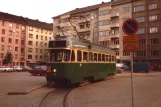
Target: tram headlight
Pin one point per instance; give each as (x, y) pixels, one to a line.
(54, 70)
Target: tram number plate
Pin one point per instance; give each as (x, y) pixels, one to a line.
(48, 68)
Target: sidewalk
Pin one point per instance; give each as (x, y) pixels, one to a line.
(128, 74)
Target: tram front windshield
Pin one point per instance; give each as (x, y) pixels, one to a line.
(59, 55)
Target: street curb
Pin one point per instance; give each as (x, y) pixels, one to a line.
(24, 93)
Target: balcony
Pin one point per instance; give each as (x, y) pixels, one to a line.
(114, 25)
(115, 36)
(113, 15)
(113, 47)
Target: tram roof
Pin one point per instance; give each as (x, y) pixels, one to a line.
(81, 43)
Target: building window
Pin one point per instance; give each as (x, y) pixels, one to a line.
(17, 26)
(3, 23)
(46, 38)
(41, 43)
(30, 28)
(116, 11)
(153, 18)
(139, 54)
(124, 19)
(37, 37)
(9, 48)
(2, 47)
(36, 57)
(104, 12)
(30, 35)
(126, 53)
(16, 41)
(16, 48)
(36, 43)
(139, 8)
(141, 31)
(22, 42)
(41, 57)
(126, 9)
(30, 43)
(116, 42)
(154, 30)
(37, 50)
(10, 25)
(10, 40)
(104, 43)
(154, 41)
(114, 21)
(117, 53)
(154, 53)
(45, 44)
(140, 19)
(2, 55)
(49, 38)
(37, 30)
(41, 37)
(23, 28)
(2, 39)
(115, 31)
(40, 50)
(29, 56)
(3, 31)
(152, 6)
(104, 22)
(22, 50)
(30, 50)
(142, 42)
(104, 33)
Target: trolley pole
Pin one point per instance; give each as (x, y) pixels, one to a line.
(132, 90)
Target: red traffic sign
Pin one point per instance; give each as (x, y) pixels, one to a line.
(130, 26)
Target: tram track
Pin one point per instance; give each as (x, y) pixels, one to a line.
(56, 97)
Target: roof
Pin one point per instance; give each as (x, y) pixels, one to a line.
(93, 7)
(12, 18)
(37, 23)
(25, 21)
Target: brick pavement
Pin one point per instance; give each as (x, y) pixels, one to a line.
(117, 93)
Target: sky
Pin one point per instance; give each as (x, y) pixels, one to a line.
(43, 10)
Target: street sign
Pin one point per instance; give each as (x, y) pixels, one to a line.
(130, 26)
(131, 43)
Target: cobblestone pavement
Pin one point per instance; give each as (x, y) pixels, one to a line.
(117, 93)
(110, 93)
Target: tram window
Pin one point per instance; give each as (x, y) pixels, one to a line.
(66, 55)
(99, 57)
(79, 56)
(107, 58)
(57, 56)
(110, 58)
(90, 56)
(73, 56)
(85, 56)
(95, 57)
(103, 57)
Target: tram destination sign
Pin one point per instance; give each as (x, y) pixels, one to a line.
(54, 44)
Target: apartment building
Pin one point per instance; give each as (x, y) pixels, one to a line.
(100, 23)
(25, 38)
(37, 37)
(12, 29)
(148, 13)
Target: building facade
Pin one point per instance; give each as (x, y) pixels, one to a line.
(18, 36)
(148, 13)
(101, 23)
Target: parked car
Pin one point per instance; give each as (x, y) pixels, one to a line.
(26, 68)
(119, 70)
(41, 70)
(5, 69)
(17, 68)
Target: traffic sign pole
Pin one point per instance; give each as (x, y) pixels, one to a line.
(132, 89)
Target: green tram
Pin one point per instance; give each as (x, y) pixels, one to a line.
(75, 61)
